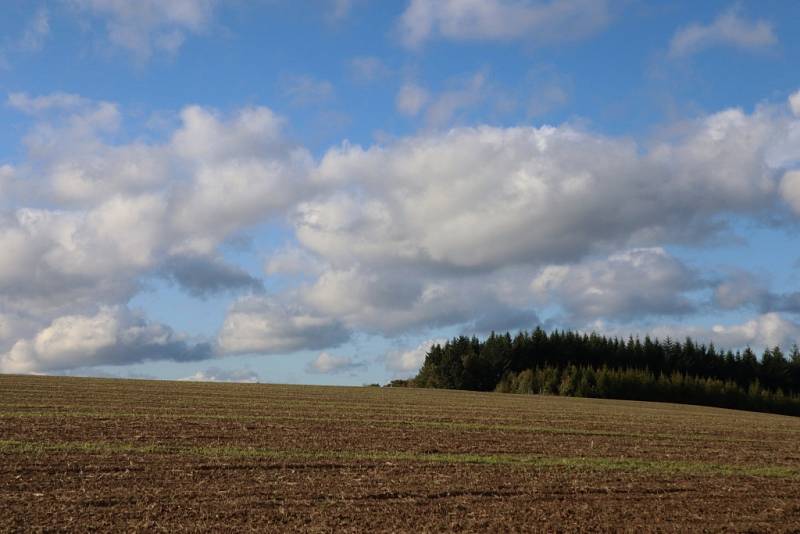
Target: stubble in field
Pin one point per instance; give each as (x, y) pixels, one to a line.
(111, 454)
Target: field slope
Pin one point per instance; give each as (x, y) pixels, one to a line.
(84, 454)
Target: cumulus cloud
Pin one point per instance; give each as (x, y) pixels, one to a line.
(728, 29)
(118, 213)
(217, 374)
(112, 336)
(57, 262)
(765, 330)
(70, 155)
(236, 170)
(794, 103)
(624, 286)
(742, 289)
(738, 290)
(264, 326)
(407, 362)
(481, 198)
(440, 228)
(243, 173)
(790, 189)
(327, 363)
(502, 20)
(149, 26)
(449, 228)
(201, 276)
(390, 300)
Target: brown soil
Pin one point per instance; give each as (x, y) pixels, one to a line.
(89, 454)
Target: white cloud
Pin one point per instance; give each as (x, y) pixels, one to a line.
(482, 198)
(411, 99)
(327, 363)
(205, 136)
(262, 325)
(71, 156)
(502, 20)
(790, 189)
(120, 213)
(728, 29)
(217, 374)
(441, 228)
(794, 103)
(235, 169)
(742, 289)
(391, 300)
(449, 228)
(57, 262)
(243, 172)
(738, 290)
(111, 336)
(147, 26)
(407, 362)
(766, 330)
(624, 286)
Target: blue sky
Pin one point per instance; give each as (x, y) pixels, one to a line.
(315, 191)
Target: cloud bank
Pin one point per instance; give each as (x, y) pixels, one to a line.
(474, 228)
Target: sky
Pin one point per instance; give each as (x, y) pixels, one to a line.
(315, 191)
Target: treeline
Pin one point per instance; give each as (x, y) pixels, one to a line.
(572, 363)
(636, 384)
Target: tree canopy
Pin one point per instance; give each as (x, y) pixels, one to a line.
(495, 362)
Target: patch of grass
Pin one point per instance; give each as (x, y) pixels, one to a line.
(664, 467)
(384, 423)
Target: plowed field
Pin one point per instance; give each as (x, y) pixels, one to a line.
(91, 454)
